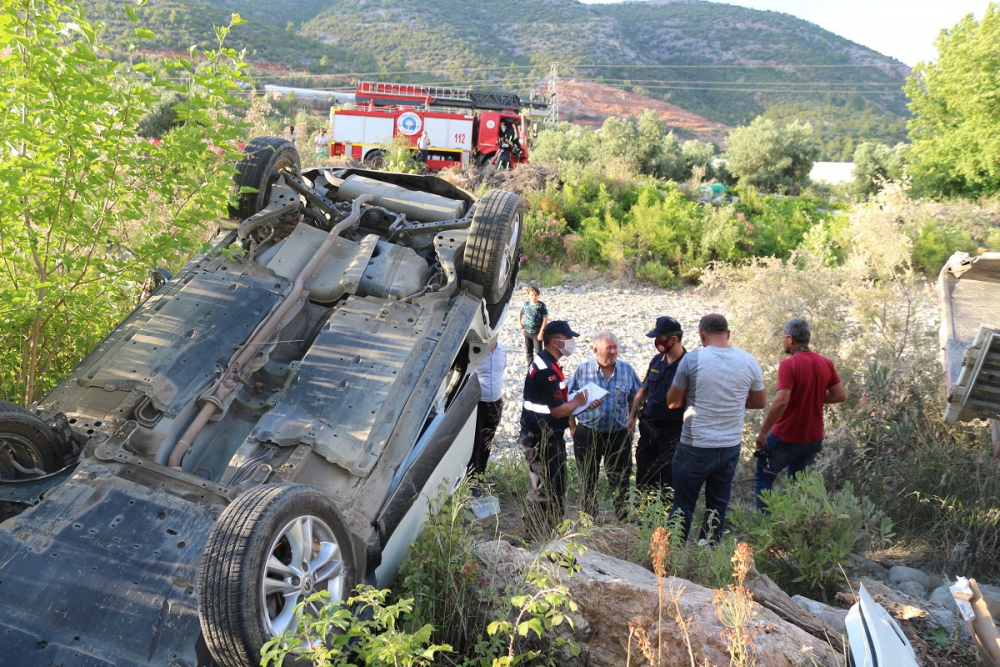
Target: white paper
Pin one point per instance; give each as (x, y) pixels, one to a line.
(594, 392)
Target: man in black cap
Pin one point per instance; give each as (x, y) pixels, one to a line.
(544, 419)
(660, 426)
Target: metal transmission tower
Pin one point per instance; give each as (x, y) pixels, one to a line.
(553, 96)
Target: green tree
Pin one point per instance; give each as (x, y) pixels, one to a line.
(875, 163)
(772, 157)
(956, 146)
(161, 118)
(87, 208)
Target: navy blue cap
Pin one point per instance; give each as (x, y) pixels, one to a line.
(665, 326)
(559, 327)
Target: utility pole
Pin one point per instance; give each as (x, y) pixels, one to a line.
(553, 96)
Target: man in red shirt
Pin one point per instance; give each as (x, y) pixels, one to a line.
(792, 433)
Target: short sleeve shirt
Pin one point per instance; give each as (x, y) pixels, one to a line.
(807, 376)
(659, 377)
(718, 380)
(544, 389)
(534, 313)
(612, 414)
(490, 372)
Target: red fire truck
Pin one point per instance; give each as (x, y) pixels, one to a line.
(463, 125)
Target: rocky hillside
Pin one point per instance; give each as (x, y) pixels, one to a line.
(723, 62)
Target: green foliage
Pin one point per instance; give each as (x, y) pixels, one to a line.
(541, 240)
(161, 118)
(640, 146)
(336, 634)
(934, 243)
(771, 157)
(876, 163)
(90, 208)
(810, 532)
(442, 574)
(953, 132)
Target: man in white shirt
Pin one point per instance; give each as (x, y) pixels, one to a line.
(490, 372)
(717, 383)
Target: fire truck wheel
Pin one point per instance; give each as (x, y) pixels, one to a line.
(375, 160)
(493, 252)
(263, 159)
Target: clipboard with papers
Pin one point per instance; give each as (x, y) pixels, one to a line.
(594, 392)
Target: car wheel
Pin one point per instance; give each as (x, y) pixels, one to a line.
(263, 159)
(272, 548)
(493, 251)
(374, 160)
(28, 447)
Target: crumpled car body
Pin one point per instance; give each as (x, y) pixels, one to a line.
(270, 422)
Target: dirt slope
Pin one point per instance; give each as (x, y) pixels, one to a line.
(590, 103)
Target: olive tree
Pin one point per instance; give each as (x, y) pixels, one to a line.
(772, 157)
(87, 207)
(874, 164)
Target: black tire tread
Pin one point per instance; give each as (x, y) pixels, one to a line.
(481, 260)
(223, 579)
(15, 419)
(254, 170)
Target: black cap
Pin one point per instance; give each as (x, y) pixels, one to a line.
(665, 326)
(559, 327)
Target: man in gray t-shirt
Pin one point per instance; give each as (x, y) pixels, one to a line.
(716, 384)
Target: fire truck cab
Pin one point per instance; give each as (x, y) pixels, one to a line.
(463, 126)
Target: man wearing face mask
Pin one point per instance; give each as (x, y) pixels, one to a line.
(544, 418)
(659, 426)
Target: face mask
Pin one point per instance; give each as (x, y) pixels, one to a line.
(568, 347)
(663, 348)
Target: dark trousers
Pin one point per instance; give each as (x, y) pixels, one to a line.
(654, 455)
(545, 451)
(615, 448)
(778, 455)
(487, 420)
(532, 346)
(713, 467)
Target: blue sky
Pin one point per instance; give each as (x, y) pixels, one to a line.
(903, 29)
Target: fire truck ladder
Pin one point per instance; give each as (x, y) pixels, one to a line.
(391, 94)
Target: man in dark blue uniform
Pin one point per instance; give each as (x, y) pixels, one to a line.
(659, 426)
(544, 419)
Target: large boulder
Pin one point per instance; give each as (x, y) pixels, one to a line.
(611, 593)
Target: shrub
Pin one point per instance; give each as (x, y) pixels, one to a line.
(772, 157)
(336, 634)
(810, 533)
(542, 239)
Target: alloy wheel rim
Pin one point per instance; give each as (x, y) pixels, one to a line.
(304, 558)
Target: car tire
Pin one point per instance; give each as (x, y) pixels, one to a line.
(263, 159)
(493, 251)
(33, 443)
(374, 160)
(264, 525)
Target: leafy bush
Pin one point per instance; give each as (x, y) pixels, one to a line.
(542, 238)
(336, 634)
(810, 533)
(89, 207)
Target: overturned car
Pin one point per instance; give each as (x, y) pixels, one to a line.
(268, 423)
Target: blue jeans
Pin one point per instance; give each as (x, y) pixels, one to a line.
(779, 455)
(713, 467)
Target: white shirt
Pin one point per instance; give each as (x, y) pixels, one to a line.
(490, 371)
(321, 140)
(424, 142)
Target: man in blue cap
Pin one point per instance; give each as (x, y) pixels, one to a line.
(544, 419)
(660, 426)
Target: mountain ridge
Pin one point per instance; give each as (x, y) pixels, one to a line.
(724, 62)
